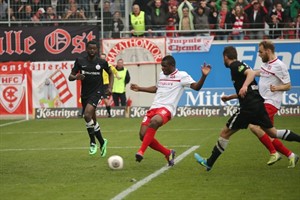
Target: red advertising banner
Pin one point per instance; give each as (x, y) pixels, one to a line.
(135, 50)
(46, 43)
(15, 84)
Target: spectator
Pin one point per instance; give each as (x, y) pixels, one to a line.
(213, 16)
(293, 9)
(138, 21)
(224, 23)
(50, 16)
(203, 4)
(186, 18)
(291, 33)
(119, 87)
(256, 15)
(3, 8)
(61, 8)
(201, 21)
(74, 14)
(228, 3)
(85, 6)
(117, 25)
(12, 18)
(274, 25)
(242, 3)
(18, 8)
(276, 21)
(171, 27)
(27, 15)
(173, 13)
(239, 22)
(107, 19)
(158, 16)
(37, 4)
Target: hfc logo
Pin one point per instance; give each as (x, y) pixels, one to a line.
(12, 91)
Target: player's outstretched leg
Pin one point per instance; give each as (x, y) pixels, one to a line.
(202, 161)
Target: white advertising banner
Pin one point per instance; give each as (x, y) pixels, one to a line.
(51, 86)
(189, 44)
(135, 50)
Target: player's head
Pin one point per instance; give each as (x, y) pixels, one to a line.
(266, 50)
(168, 65)
(229, 55)
(92, 48)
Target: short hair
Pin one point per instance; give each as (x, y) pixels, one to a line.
(267, 44)
(92, 42)
(230, 52)
(169, 60)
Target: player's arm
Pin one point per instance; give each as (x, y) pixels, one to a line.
(250, 75)
(257, 72)
(205, 71)
(136, 88)
(75, 75)
(225, 98)
(283, 87)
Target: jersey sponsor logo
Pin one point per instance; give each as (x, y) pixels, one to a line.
(240, 68)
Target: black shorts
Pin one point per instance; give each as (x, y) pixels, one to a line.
(243, 117)
(93, 100)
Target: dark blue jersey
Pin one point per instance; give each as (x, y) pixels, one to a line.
(92, 70)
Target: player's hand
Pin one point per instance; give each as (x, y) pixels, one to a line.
(80, 76)
(134, 87)
(205, 68)
(243, 92)
(273, 88)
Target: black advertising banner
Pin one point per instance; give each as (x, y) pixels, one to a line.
(55, 43)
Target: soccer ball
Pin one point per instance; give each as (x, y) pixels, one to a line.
(115, 162)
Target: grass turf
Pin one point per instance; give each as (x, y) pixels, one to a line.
(48, 159)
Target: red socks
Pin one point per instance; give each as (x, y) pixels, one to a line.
(158, 147)
(268, 143)
(149, 140)
(281, 148)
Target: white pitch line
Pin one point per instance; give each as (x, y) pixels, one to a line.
(14, 122)
(142, 182)
(80, 148)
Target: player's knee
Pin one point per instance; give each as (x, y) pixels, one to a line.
(141, 136)
(155, 123)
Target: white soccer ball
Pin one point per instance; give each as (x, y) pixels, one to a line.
(115, 162)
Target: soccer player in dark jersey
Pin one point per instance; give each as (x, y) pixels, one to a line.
(250, 111)
(89, 70)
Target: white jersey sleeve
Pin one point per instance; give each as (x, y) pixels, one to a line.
(273, 73)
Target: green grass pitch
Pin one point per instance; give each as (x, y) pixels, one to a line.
(48, 160)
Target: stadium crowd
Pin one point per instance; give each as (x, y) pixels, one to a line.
(225, 19)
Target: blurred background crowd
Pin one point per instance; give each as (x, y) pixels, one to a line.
(225, 19)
